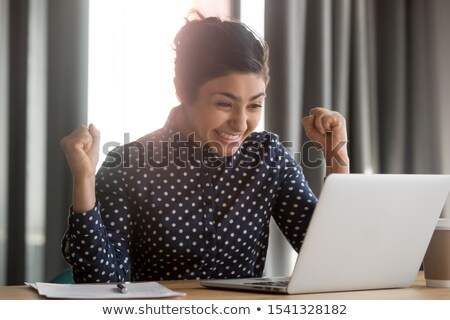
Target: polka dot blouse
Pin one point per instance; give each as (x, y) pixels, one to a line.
(170, 209)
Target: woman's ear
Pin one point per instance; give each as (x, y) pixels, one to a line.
(179, 89)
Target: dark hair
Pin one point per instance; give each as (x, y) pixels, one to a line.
(208, 48)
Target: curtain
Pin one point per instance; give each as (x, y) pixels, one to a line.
(381, 63)
(68, 24)
(4, 10)
(43, 96)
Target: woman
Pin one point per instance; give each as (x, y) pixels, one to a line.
(194, 199)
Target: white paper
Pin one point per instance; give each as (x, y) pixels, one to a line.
(104, 291)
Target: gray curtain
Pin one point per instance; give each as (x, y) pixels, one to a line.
(4, 9)
(67, 109)
(381, 63)
(43, 86)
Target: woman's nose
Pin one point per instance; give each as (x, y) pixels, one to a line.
(238, 121)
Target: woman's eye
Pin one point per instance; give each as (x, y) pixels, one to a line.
(255, 106)
(224, 104)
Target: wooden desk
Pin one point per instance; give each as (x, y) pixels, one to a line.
(194, 291)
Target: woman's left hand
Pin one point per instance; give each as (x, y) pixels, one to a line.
(327, 129)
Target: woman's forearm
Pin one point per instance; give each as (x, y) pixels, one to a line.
(83, 194)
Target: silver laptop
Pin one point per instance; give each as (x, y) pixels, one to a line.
(367, 232)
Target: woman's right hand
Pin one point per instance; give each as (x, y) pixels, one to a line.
(82, 152)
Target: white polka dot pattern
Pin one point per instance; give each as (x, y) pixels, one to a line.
(171, 210)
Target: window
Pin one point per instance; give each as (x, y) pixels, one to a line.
(131, 66)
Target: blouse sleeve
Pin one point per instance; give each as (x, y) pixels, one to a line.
(295, 202)
(96, 242)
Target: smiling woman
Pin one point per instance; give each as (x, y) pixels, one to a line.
(205, 212)
(221, 92)
(226, 111)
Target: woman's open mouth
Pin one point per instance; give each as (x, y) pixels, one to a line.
(227, 137)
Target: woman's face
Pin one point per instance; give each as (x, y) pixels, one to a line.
(227, 110)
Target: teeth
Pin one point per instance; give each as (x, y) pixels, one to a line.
(228, 136)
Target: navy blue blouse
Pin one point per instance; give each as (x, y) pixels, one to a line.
(169, 209)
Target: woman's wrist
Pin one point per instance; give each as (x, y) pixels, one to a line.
(337, 163)
(83, 196)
